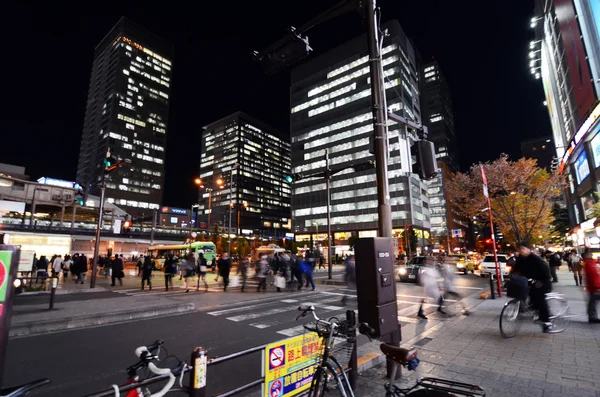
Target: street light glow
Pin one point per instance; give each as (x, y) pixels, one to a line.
(198, 181)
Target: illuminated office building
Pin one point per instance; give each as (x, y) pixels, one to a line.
(256, 190)
(126, 115)
(331, 109)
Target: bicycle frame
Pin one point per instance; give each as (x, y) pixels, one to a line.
(336, 371)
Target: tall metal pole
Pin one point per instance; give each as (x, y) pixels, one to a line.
(230, 206)
(328, 187)
(384, 209)
(98, 229)
(153, 227)
(209, 226)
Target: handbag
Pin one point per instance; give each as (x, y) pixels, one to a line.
(203, 269)
(234, 282)
(279, 282)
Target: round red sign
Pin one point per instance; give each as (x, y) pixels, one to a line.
(3, 275)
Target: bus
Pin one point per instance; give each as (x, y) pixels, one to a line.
(160, 252)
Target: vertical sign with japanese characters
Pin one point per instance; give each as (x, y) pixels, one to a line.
(290, 364)
(9, 261)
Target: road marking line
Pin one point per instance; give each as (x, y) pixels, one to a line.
(477, 288)
(421, 297)
(271, 323)
(288, 300)
(338, 294)
(250, 316)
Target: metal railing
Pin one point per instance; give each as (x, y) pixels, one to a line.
(351, 369)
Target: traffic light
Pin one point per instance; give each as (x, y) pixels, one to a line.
(488, 240)
(293, 178)
(126, 224)
(79, 197)
(497, 233)
(424, 160)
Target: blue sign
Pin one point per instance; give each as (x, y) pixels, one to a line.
(582, 167)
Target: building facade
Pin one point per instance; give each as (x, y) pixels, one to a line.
(449, 231)
(126, 116)
(331, 110)
(243, 167)
(566, 57)
(540, 149)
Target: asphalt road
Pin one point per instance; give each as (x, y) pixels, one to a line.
(84, 361)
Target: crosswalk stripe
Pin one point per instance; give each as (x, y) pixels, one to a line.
(289, 300)
(420, 297)
(239, 309)
(251, 316)
(268, 324)
(338, 294)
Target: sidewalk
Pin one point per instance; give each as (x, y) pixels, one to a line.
(470, 349)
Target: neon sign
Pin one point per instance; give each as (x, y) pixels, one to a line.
(583, 130)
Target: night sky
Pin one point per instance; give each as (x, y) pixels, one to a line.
(482, 48)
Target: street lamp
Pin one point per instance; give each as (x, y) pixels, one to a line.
(236, 166)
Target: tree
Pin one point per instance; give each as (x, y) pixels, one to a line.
(243, 248)
(521, 194)
(215, 233)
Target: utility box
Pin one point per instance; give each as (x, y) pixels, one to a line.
(376, 285)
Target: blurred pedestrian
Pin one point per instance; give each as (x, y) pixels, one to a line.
(224, 265)
(350, 276)
(592, 286)
(146, 269)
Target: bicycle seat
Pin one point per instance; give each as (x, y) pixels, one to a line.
(398, 354)
(23, 389)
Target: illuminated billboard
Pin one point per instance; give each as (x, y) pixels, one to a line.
(578, 69)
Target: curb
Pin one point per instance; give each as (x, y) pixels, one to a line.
(330, 282)
(72, 323)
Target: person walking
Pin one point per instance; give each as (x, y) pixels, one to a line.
(554, 260)
(140, 265)
(187, 270)
(350, 276)
(428, 278)
(577, 267)
(262, 271)
(202, 269)
(224, 265)
(592, 286)
(243, 269)
(117, 270)
(146, 269)
(170, 269)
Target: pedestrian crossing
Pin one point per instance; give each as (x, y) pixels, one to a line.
(280, 316)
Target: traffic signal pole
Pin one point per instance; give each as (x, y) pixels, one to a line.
(98, 230)
(384, 209)
(328, 190)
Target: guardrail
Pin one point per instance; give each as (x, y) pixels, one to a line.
(198, 389)
(53, 286)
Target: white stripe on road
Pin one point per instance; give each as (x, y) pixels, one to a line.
(458, 286)
(268, 324)
(289, 300)
(250, 316)
(239, 309)
(338, 294)
(420, 297)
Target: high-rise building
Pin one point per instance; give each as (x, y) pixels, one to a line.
(540, 149)
(126, 116)
(446, 225)
(565, 56)
(244, 164)
(331, 110)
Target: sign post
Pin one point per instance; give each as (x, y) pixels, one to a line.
(489, 208)
(9, 263)
(289, 365)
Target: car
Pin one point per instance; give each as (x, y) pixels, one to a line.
(410, 272)
(462, 262)
(488, 265)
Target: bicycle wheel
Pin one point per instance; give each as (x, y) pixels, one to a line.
(319, 383)
(509, 319)
(559, 314)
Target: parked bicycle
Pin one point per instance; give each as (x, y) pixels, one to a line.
(516, 309)
(338, 339)
(137, 387)
(425, 387)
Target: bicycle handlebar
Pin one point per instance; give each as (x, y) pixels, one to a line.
(143, 352)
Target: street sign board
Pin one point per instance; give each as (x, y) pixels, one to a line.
(9, 262)
(289, 365)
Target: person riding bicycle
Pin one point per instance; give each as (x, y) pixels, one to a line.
(533, 267)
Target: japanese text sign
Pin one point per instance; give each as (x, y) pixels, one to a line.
(288, 365)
